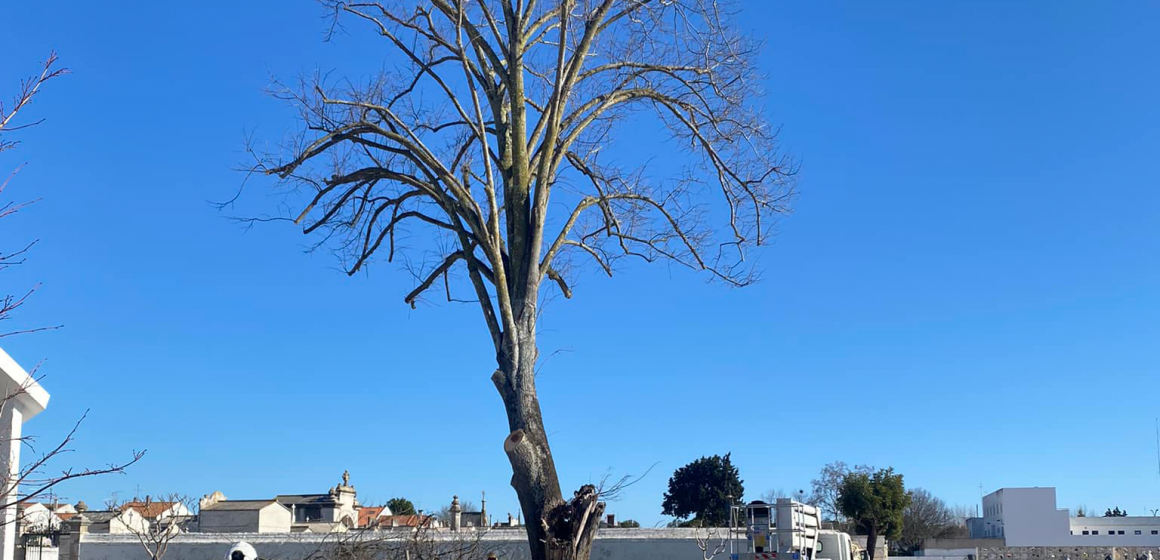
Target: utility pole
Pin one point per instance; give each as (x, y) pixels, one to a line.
(1158, 446)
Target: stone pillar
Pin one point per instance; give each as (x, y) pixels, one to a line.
(455, 511)
(23, 398)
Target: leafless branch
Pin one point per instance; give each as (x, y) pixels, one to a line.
(27, 91)
(510, 144)
(156, 521)
(711, 542)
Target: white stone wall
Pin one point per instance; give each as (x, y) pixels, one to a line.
(1066, 553)
(508, 544)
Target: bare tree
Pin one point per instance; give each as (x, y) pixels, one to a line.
(27, 91)
(165, 518)
(926, 517)
(417, 543)
(825, 488)
(962, 514)
(711, 542)
(38, 477)
(491, 151)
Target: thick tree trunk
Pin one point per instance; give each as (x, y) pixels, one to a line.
(871, 541)
(557, 530)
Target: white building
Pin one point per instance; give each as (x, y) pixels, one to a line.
(1119, 527)
(245, 516)
(157, 510)
(1029, 517)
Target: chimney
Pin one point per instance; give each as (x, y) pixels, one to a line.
(147, 499)
(612, 520)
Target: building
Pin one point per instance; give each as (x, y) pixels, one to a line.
(468, 519)
(1118, 527)
(111, 521)
(339, 505)
(368, 516)
(40, 517)
(157, 510)
(244, 516)
(1029, 517)
(337, 510)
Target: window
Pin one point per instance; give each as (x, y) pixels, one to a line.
(1139, 532)
(1085, 532)
(307, 514)
(1095, 532)
(1154, 531)
(1120, 533)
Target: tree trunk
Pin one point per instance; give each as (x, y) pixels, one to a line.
(871, 541)
(557, 530)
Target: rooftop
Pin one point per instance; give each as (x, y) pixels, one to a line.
(149, 509)
(238, 505)
(287, 499)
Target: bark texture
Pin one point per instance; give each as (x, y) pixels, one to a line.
(871, 541)
(454, 160)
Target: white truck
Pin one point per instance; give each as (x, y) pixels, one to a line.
(786, 530)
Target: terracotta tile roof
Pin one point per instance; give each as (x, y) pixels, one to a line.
(149, 510)
(65, 516)
(368, 514)
(404, 520)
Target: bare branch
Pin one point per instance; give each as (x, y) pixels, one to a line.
(28, 90)
(502, 112)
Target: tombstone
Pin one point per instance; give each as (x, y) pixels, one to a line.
(23, 399)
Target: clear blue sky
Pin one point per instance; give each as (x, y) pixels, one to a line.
(969, 289)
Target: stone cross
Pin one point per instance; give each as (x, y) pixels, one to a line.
(23, 398)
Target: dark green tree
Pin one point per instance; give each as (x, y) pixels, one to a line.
(629, 524)
(874, 503)
(703, 490)
(401, 506)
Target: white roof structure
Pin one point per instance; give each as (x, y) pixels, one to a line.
(30, 397)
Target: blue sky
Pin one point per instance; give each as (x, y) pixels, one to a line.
(967, 290)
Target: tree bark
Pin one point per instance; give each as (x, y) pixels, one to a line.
(557, 530)
(871, 541)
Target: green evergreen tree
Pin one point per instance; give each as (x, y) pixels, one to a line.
(874, 502)
(401, 506)
(703, 490)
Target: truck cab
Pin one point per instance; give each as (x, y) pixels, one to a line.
(836, 545)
